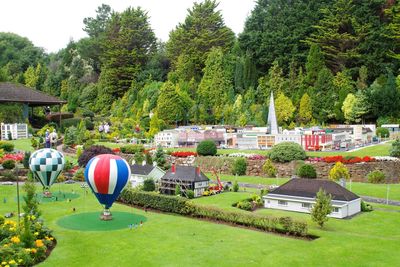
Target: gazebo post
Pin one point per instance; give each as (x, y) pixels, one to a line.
(59, 112)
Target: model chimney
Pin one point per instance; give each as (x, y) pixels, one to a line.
(173, 168)
(198, 170)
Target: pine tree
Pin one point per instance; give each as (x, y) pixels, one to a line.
(348, 108)
(315, 62)
(343, 85)
(393, 28)
(284, 109)
(322, 96)
(322, 208)
(170, 106)
(160, 158)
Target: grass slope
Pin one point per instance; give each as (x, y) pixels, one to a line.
(369, 239)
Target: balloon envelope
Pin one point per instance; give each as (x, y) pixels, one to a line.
(107, 175)
(46, 164)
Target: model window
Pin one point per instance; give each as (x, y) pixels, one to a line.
(335, 209)
(306, 205)
(282, 202)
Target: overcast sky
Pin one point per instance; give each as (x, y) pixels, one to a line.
(51, 24)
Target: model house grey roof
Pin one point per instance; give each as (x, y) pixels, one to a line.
(14, 93)
(310, 187)
(185, 173)
(140, 169)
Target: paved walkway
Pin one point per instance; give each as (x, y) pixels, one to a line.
(380, 201)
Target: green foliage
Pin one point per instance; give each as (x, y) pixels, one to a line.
(239, 167)
(8, 164)
(132, 149)
(339, 171)
(160, 158)
(376, 177)
(178, 190)
(305, 110)
(235, 186)
(190, 194)
(206, 148)
(31, 205)
(170, 105)
(244, 205)
(149, 185)
(395, 149)
(6, 146)
(183, 206)
(366, 207)
(286, 152)
(307, 171)
(191, 41)
(322, 208)
(25, 161)
(269, 169)
(11, 113)
(70, 136)
(315, 63)
(382, 132)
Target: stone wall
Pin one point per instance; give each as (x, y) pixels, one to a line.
(358, 171)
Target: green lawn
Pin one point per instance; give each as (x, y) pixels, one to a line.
(22, 144)
(172, 240)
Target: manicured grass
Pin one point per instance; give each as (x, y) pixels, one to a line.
(109, 144)
(256, 180)
(22, 144)
(369, 239)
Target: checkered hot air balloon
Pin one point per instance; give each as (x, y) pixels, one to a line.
(107, 175)
(46, 164)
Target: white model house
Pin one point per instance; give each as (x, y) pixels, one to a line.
(140, 172)
(299, 195)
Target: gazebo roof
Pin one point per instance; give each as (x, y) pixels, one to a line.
(18, 93)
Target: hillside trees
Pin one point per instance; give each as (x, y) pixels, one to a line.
(192, 40)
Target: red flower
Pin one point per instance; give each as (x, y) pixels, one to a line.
(183, 154)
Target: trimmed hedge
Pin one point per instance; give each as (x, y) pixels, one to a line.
(132, 149)
(307, 171)
(183, 206)
(286, 152)
(206, 148)
(6, 146)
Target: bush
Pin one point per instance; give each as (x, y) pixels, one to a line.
(70, 137)
(149, 185)
(206, 148)
(286, 152)
(394, 150)
(376, 177)
(25, 160)
(239, 167)
(382, 132)
(79, 176)
(365, 207)
(235, 186)
(6, 146)
(190, 194)
(269, 169)
(183, 206)
(338, 172)
(8, 164)
(245, 205)
(66, 123)
(91, 152)
(132, 149)
(307, 171)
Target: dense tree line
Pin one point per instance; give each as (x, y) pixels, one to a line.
(325, 61)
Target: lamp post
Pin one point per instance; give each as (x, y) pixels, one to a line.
(18, 203)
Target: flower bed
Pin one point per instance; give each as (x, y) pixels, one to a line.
(24, 247)
(183, 154)
(248, 156)
(346, 160)
(18, 157)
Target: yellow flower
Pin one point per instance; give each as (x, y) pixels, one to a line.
(36, 233)
(19, 260)
(27, 250)
(15, 239)
(12, 229)
(39, 243)
(3, 263)
(7, 265)
(33, 250)
(12, 262)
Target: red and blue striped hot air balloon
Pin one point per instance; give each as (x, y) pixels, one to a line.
(107, 175)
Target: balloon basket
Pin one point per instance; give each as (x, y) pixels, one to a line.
(106, 215)
(47, 194)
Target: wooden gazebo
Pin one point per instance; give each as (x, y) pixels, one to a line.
(18, 93)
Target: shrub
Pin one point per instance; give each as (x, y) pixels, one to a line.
(66, 123)
(206, 148)
(394, 150)
(91, 152)
(8, 164)
(235, 186)
(185, 207)
(322, 208)
(149, 185)
(245, 205)
(307, 171)
(239, 167)
(177, 190)
(382, 132)
(132, 149)
(79, 151)
(6, 146)
(70, 137)
(190, 194)
(376, 177)
(269, 169)
(25, 160)
(365, 207)
(286, 152)
(79, 176)
(338, 172)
